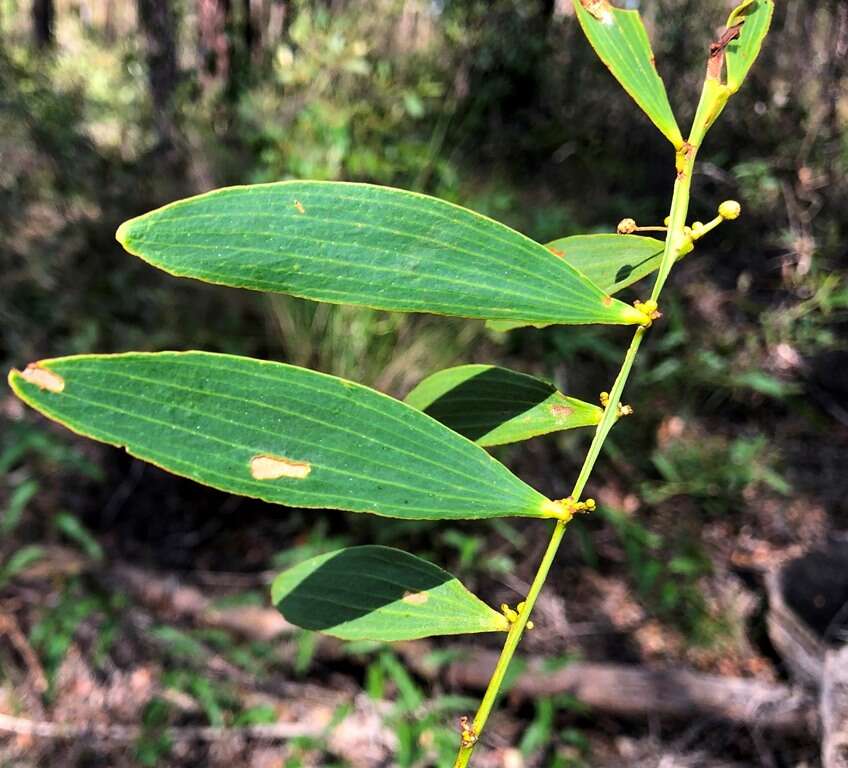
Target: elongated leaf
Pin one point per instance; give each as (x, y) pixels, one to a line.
(380, 593)
(621, 42)
(494, 406)
(362, 244)
(741, 53)
(612, 262)
(276, 432)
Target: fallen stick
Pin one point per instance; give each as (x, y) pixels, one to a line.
(834, 709)
(616, 689)
(169, 594)
(45, 729)
(636, 692)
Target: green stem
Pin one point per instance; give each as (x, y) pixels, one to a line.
(512, 639)
(676, 243)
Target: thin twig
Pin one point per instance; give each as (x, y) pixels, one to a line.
(44, 729)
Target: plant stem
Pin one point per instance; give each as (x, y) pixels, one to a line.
(675, 242)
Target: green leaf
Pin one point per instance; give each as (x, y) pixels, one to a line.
(20, 497)
(741, 53)
(621, 42)
(374, 246)
(493, 406)
(611, 261)
(79, 534)
(277, 432)
(19, 561)
(380, 593)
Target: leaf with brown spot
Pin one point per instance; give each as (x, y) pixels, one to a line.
(621, 42)
(493, 405)
(370, 246)
(753, 19)
(277, 432)
(380, 593)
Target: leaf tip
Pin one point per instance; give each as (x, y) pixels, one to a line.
(122, 234)
(267, 467)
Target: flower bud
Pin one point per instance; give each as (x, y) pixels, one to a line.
(730, 210)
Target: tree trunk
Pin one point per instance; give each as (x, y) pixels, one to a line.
(251, 18)
(213, 41)
(278, 18)
(158, 23)
(43, 14)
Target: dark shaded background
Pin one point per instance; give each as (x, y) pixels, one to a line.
(734, 461)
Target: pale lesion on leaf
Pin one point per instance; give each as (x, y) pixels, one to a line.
(267, 467)
(561, 412)
(43, 378)
(299, 206)
(599, 9)
(415, 598)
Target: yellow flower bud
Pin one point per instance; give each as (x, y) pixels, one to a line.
(730, 210)
(626, 227)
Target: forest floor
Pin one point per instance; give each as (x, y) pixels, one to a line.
(132, 639)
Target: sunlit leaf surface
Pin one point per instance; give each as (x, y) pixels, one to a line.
(380, 593)
(276, 432)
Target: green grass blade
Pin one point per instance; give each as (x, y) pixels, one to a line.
(621, 42)
(494, 406)
(380, 593)
(612, 262)
(373, 246)
(742, 52)
(276, 432)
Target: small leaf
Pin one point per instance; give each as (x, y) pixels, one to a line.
(71, 526)
(279, 433)
(741, 53)
(20, 497)
(380, 593)
(612, 262)
(373, 246)
(19, 561)
(494, 406)
(621, 42)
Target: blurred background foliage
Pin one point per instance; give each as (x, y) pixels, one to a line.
(736, 451)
